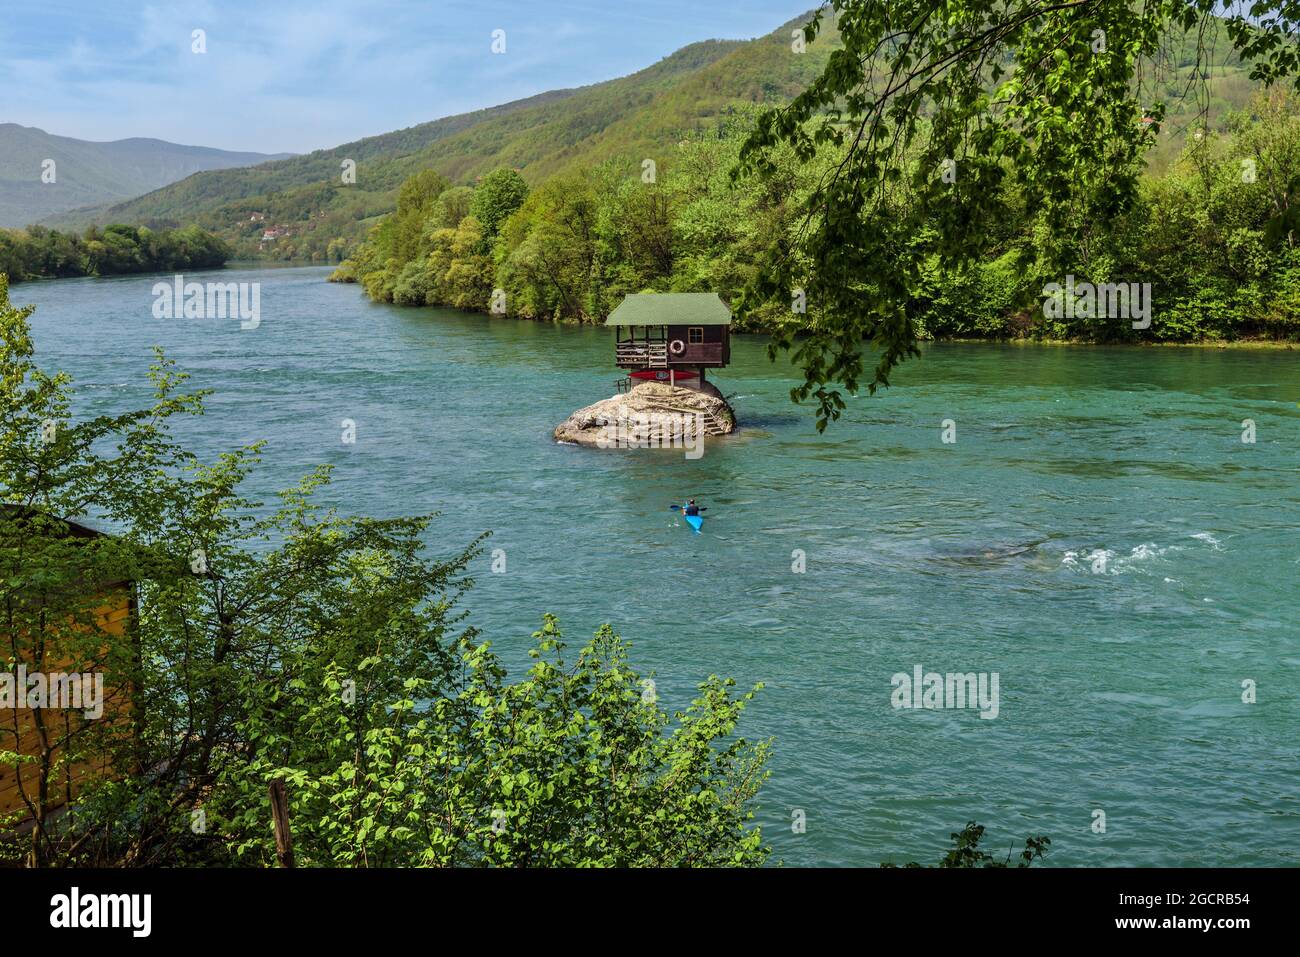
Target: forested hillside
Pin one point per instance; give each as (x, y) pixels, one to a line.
(301, 209)
(1216, 235)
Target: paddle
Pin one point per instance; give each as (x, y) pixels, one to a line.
(675, 508)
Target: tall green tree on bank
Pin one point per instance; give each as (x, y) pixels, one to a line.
(935, 114)
(500, 193)
(293, 644)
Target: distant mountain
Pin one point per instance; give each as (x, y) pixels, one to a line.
(87, 173)
(294, 188)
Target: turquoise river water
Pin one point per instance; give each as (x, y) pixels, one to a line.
(1098, 535)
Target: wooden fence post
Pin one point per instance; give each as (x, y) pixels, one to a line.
(280, 818)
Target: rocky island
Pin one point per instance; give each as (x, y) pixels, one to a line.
(650, 415)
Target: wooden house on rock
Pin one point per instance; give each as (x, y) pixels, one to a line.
(671, 337)
(666, 342)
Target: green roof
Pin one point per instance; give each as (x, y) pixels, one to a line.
(671, 309)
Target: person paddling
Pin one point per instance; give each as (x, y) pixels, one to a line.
(692, 508)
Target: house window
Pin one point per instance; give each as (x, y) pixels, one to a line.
(695, 335)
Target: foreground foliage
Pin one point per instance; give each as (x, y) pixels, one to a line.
(330, 653)
(966, 851)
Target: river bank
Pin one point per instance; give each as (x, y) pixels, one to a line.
(344, 274)
(1284, 344)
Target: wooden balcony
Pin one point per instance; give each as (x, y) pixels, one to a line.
(643, 355)
(655, 355)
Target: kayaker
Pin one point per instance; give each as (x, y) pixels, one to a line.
(692, 508)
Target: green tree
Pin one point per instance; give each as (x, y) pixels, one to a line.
(496, 198)
(574, 765)
(451, 207)
(406, 227)
(932, 112)
(551, 248)
(467, 282)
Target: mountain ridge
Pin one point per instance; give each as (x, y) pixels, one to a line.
(323, 166)
(87, 172)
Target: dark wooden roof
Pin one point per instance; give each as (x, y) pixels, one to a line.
(20, 513)
(32, 521)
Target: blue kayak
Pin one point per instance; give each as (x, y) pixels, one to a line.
(695, 521)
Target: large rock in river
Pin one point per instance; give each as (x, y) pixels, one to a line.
(650, 415)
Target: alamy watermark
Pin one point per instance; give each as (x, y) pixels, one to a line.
(1110, 300)
(653, 430)
(75, 909)
(931, 691)
(82, 692)
(214, 300)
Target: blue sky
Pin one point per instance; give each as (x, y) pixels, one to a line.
(298, 75)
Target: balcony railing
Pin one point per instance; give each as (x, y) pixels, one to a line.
(655, 355)
(651, 355)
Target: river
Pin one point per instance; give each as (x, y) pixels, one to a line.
(1098, 535)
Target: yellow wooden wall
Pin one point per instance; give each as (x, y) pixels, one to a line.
(112, 621)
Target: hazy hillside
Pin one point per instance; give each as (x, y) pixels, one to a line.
(300, 208)
(634, 118)
(323, 167)
(88, 173)
(305, 199)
